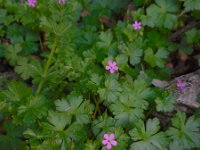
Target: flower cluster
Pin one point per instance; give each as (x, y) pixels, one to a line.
(112, 66)
(180, 85)
(109, 141)
(31, 3)
(61, 1)
(137, 25)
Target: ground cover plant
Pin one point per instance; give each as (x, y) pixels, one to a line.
(77, 74)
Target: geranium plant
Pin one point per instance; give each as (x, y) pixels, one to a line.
(76, 74)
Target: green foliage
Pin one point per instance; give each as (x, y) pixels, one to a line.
(156, 59)
(74, 105)
(184, 134)
(135, 54)
(10, 140)
(15, 92)
(191, 5)
(58, 121)
(148, 137)
(33, 109)
(12, 54)
(60, 95)
(193, 36)
(165, 102)
(103, 123)
(91, 145)
(162, 14)
(105, 40)
(111, 91)
(132, 102)
(29, 69)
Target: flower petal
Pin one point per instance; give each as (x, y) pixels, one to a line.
(137, 25)
(105, 142)
(115, 68)
(106, 136)
(114, 142)
(107, 67)
(110, 63)
(109, 146)
(113, 64)
(112, 71)
(112, 136)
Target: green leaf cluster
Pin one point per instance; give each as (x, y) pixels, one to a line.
(60, 95)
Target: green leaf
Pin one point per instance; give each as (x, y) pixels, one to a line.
(3, 14)
(31, 36)
(111, 91)
(11, 139)
(162, 14)
(102, 123)
(83, 114)
(29, 69)
(166, 102)
(191, 5)
(91, 145)
(23, 68)
(131, 103)
(30, 133)
(15, 33)
(35, 108)
(78, 133)
(122, 138)
(130, 33)
(122, 61)
(5, 18)
(29, 47)
(105, 40)
(74, 105)
(184, 133)
(58, 120)
(156, 40)
(12, 53)
(193, 36)
(148, 137)
(135, 56)
(75, 101)
(62, 105)
(157, 59)
(16, 92)
(94, 82)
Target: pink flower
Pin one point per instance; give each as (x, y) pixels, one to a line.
(109, 141)
(61, 1)
(180, 85)
(31, 3)
(112, 66)
(137, 25)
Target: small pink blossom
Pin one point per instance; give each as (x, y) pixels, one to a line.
(109, 141)
(31, 3)
(61, 1)
(137, 25)
(112, 66)
(180, 85)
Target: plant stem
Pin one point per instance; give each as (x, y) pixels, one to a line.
(46, 68)
(97, 105)
(97, 109)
